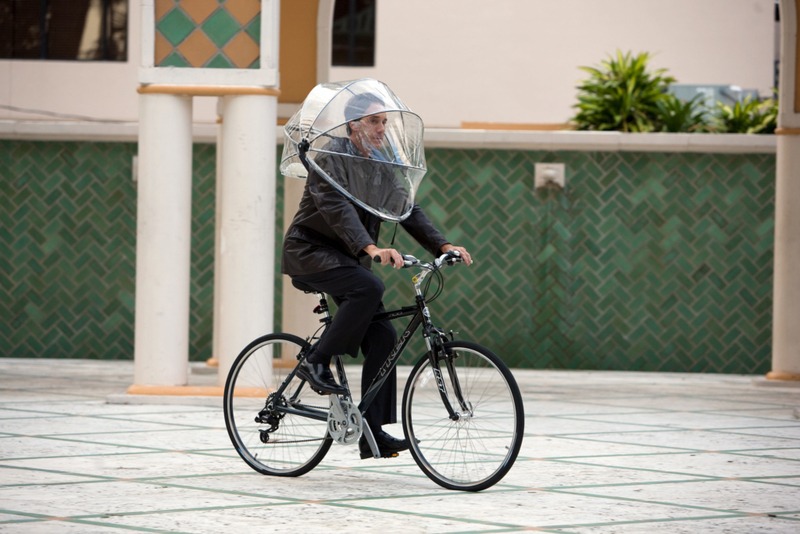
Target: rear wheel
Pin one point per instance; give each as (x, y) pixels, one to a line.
(475, 451)
(270, 440)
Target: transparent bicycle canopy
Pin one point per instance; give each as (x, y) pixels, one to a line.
(363, 140)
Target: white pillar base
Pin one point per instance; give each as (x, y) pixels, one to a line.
(247, 225)
(163, 240)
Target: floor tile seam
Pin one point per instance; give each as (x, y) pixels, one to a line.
(143, 431)
(48, 518)
(108, 454)
(771, 457)
(85, 376)
(141, 513)
(797, 439)
(636, 454)
(58, 472)
(589, 420)
(50, 389)
(611, 485)
(118, 479)
(555, 415)
(113, 432)
(644, 470)
(49, 416)
(282, 499)
(621, 443)
(760, 418)
(639, 431)
(427, 515)
(153, 449)
(729, 428)
(668, 453)
(556, 527)
(645, 521)
(764, 480)
(660, 503)
(128, 420)
(585, 401)
(114, 415)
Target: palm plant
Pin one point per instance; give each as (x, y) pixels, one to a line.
(621, 95)
(748, 116)
(676, 115)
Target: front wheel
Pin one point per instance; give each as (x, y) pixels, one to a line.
(476, 450)
(264, 411)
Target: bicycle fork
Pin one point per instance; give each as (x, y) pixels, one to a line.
(434, 340)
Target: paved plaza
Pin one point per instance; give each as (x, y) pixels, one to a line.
(603, 452)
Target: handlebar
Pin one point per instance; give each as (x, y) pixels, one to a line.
(450, 258)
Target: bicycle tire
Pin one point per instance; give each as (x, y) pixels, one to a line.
(476, 451)
(299, 443)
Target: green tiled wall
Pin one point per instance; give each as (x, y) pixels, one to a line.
(647, 261)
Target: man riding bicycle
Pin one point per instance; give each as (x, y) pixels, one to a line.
(358, 178)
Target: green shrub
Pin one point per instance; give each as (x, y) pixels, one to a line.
(621, 95)
(676, 115)
(748, 117)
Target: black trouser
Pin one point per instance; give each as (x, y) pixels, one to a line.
(358, 293)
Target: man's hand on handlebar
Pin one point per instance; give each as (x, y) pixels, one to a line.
(461, 250)
(388, 256)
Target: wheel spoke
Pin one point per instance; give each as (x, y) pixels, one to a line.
(475, 451)
(294, 443)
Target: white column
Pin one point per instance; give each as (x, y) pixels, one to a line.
(215, 349)
(247, 229)
(786, 318)
(163, 240)
(786, 292)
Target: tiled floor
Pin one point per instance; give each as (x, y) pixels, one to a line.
(604, 452)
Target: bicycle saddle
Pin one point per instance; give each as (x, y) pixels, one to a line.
(303, 287)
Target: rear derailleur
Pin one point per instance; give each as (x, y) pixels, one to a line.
(270, 416)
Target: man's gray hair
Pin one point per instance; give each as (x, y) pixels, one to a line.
(358, 106)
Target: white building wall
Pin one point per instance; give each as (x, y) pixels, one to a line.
(517, 60)
(467, 60)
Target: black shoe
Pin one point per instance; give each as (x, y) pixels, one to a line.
(388, 446)
(320, 378)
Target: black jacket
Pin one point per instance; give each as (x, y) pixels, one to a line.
(330, 231)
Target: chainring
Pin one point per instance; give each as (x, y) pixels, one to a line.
(345, 423)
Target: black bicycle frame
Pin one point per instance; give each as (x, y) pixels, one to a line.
(420, 317)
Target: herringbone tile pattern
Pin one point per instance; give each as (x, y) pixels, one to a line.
(68, 250)
(647, 261)
(67, 245)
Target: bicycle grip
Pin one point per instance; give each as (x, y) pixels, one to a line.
(377, 259)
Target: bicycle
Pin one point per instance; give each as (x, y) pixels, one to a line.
(462, 411)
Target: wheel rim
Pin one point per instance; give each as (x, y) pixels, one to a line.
(471, 451)
(255, 380)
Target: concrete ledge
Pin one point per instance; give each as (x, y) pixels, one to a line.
(101, 132)
(600, 141)
(434, 138)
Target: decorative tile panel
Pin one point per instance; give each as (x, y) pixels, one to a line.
(208, 33)
(646, 261)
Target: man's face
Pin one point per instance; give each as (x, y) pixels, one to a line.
(371, 129)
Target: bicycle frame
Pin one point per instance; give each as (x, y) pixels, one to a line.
(434, 337)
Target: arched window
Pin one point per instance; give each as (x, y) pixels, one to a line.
(354, 33)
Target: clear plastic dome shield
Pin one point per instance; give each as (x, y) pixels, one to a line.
(363, 140)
